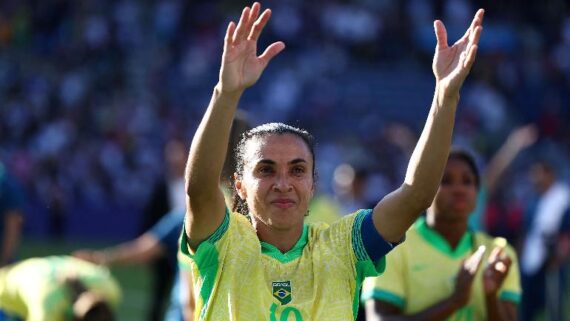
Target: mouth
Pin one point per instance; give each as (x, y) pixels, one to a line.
(283, 203)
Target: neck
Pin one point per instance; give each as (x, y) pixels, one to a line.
(283, 239)
(451, 230)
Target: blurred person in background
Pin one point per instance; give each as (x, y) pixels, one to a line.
(57, 288)
(167, 197)
(159, 241)
(517, 141)
(418, 282)
(11, 216)
(542, 277)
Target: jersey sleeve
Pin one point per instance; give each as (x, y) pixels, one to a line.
(348, 242)
(167, 231)
(390, 286)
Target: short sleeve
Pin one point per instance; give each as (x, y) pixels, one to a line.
(390, 286)
(167, 230)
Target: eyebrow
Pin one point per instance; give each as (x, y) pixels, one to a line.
(271, 162)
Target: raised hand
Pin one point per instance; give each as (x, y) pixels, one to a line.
(451, 64)
(523, 136)
(465, 276)
(241, 67)
(498, 266)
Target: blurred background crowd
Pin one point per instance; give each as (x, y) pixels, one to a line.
(92, 91)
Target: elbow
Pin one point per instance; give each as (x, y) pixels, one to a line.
(420, 198)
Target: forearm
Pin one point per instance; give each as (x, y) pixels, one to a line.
(428, 160)
(496, 311)
(397, 211)
(12, 230)
(209, 146)
(141, 250)
(498, 164)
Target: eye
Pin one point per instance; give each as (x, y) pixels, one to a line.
(298, 170)
(265, 170)
(468, 180)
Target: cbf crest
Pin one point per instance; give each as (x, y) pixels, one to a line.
(282, 291)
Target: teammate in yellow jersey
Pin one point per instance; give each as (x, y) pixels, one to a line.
(260, 261)
(445, 271)
(57, 288)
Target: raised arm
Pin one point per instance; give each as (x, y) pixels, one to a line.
(518, 140)
(240, 69)
(451, 64)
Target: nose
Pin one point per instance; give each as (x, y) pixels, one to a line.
(282, 184)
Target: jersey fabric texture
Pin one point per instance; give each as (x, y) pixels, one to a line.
(421, 272)
(33, 289)
(238, 277)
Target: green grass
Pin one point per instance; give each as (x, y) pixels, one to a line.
(134, 280)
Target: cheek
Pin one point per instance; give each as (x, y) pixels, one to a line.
(255, 187)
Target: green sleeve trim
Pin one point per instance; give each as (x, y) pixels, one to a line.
(363, 270)
(357, 244)
(386, 296)
(221, 230)
(514, 297)
(207, 260)
(216, 236)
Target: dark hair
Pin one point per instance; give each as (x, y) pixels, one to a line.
(240, 205)
(466, 157)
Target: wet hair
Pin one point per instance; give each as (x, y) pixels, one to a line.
(466, 157)
(240, 205)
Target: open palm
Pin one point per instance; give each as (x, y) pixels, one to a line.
(241, 67)
(451, 64)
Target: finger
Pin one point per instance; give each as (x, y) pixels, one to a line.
(475, 36)
(273, 50)
(259, 25)
(440, 34)
(253, 14)
(470, 57)
(474, 261)
(494, 256)
(477, 21)
(500, 267)
(240, 32)
(229, 35)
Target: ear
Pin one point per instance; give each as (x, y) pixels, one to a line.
(239, 187)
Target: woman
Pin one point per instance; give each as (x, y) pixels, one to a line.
(269, 265)
(57, 288)
(437, 273)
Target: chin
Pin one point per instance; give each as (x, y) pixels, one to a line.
(284, 220)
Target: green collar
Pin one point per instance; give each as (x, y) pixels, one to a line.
(437, 241)
(292, 254)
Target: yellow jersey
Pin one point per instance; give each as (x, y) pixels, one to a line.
(34, 290)
(421, 272)
(238, 277)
